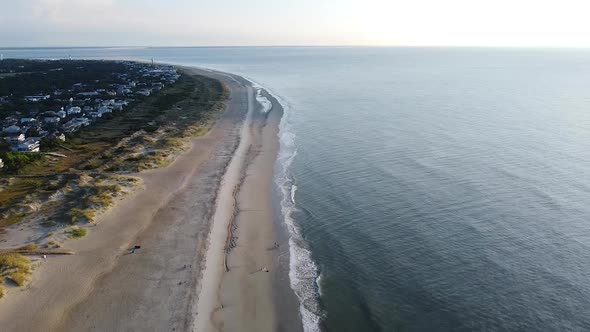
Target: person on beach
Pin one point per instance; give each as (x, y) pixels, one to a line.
(45, 258)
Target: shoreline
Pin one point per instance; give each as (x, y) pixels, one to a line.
(104, 288)
(248, 292)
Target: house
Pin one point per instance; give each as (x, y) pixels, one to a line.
(75, 124)
(89, 94)
(94, 115)
(58, 136)
(103, 109)
(61, 114)
(15, 138)
(12, 130)
(83, 121)
(1, 163)
(31, 144)
(119, 104)
(144, 92)
(123, 90)
(74, 110)
(27, 120)
(36, 98)
(52, 119)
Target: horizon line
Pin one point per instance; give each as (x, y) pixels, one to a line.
(300, 46)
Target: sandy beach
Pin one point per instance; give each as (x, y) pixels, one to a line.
(207, 233)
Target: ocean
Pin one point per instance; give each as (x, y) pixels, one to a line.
(425, 189)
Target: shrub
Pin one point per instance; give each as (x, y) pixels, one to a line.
(13, 261)
(77, 232)
(102, 199)
(12, 220)
(15, 161)
(48, 143)
(33, 183)
(30, 246)
(15, 267)
(77, 215)
(1, 292)
(19, 278)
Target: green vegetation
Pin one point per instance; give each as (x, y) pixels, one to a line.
(48, 143)
(168, 118)
(19, 278)
(15, 267)
(14, 162)
(33, 183)
(76, 232)
(28, 247)
(80, 215)
(1, 292)
(12, 220)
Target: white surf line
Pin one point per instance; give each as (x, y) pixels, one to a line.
(208, 298)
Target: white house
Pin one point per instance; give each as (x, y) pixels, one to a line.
(82, 121)
(74, 110)
(61, 114)
(29, 145)
(89, 94)
(12, 129)
(75, 124)
(103, 109)
(35, 99)
(1, 163)
(15, 138)
(144, 92)
(52, 119)
(27, 120)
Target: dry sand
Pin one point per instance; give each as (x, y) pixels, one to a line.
(105, 288)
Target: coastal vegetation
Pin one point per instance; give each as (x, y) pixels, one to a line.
(76, 179)
(76, 232)
(15, 267)
(16, 161)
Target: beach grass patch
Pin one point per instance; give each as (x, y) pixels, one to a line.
(15, 267)
(12, 220)
(76, 232)
(28, 247)
(19, 278)
(79, 215)
(1, 292)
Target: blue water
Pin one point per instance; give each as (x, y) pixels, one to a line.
(437, 189)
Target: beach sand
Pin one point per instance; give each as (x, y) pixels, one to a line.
(177, 280)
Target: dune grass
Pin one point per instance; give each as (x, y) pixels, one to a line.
(15, 267)
(19, 278)
(12, 220)
(1, 292)
(76, 232)
(78, 215)
(29, 247)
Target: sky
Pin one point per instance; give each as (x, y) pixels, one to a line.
(519, 23)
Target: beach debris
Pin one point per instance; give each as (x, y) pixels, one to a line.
(132, 250)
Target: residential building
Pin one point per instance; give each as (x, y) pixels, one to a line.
(29, 145)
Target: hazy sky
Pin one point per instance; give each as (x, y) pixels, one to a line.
(294, 22)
